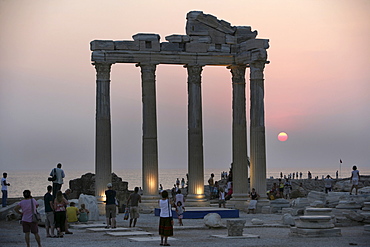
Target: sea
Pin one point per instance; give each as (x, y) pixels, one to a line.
(36, 181)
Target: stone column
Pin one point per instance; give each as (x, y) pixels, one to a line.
(150, 146)
(195, 138)
(103, 153)
(239, 138)
(257, 129)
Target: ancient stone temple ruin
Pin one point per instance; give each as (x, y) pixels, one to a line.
(208, 41)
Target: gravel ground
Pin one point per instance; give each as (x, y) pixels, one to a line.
(11, 235)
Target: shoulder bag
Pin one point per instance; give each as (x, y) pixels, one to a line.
(169, 212)
(54, 177)
(36, 217)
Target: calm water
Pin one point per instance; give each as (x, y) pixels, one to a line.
(36, 181)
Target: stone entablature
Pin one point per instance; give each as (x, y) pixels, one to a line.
(208, 41)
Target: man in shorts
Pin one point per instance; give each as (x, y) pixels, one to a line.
(49, 213)
(133, 202)
(110, 206)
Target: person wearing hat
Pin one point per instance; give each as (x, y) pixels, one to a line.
(110, 206)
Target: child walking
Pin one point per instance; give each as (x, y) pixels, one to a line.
(221, 198)
(180, 212)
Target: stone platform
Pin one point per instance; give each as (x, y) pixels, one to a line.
(200, 212)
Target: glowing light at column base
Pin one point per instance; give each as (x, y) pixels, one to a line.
(199, 190)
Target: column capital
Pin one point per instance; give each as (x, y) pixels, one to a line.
(256, 69)
(194, 73)
(102, 70)
(238, 73)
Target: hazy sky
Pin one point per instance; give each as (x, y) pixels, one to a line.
(317, 86)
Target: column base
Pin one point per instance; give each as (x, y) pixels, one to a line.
(239, 201)
(101, 204)
(193, 200)
(261, 203)
(148, 203)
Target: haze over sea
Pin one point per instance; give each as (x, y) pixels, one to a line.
(36, 181)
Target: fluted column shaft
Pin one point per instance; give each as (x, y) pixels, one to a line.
(103, 152)
(257, 129)
(150, 143)
(195, 133)
(239, 133)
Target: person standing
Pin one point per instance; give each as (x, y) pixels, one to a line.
(28, 226)
(133, 202)
(4, 189)
(180, 212)
(110, 206)
(355, 178)
(211, 183)
(179, 198)
(60, 204)
(57, 183)
(328, 184)
(49, 213)
(182, 183)
(221, 198)
(165, 220)
(287, 189)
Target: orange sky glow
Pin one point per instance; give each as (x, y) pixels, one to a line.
(316, 86)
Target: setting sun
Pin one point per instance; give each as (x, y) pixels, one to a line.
(283, 136)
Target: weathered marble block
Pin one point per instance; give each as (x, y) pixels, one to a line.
(366, 206)
(146, 37)
(278, 204)
(315, 233)
(314, 222)
(316, 196)
(256, 221)
(235, 227)
(96, 45)
(288, 220)
(127, 45)
(225, 48)
(168, 46)
(254, 44)
(212, 220)
(318, 211)
(177, 38)
(91, 204)
(300, 202)
(201, 39)
(366, 216)
(348, 205)
(196, 47)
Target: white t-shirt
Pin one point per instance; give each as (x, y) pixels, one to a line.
(180, 197)
(355, 174)
(165, 208)
(3, 184)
